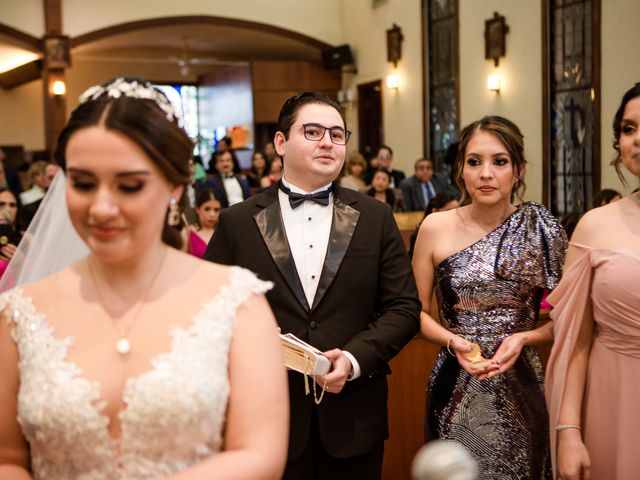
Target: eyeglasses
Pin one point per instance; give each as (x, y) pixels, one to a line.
(315, 132)
(8, 204)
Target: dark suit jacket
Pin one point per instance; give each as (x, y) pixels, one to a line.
(412, 191)
(215, 183)
(366, 304)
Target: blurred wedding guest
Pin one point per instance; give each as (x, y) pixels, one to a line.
(8, 176)
(423, 185)
(489, 262)
(49, 174)
(442, 202)
(224, 144)
(595, 361)
(138, 361)
(208, 210)
(259, 169)
(37, 183)
(605, 196)
(27, 212)
(381, 190)
(9, 230)
(385, 160)
(356, 168)
(316, 241)
(269, 151)
(230, 188)
(274, 174)
(199, 173)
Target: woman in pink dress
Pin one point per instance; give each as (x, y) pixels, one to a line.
(208, 209)
(593, 379)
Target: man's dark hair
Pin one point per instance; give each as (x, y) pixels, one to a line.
(293, 104)
(415, 165)
(387, 147)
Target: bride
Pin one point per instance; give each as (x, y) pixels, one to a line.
(138, 361)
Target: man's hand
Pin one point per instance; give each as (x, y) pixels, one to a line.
(336, 378)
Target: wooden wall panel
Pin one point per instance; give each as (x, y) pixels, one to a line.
(274, 81)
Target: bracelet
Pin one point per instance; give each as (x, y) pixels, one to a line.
(566, 426)
(449, 346)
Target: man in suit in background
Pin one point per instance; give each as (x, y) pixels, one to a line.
(342, 282)
(421, 187)
(228, 187)
(385, 160)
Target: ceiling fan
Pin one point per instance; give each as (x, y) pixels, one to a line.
(184, 61)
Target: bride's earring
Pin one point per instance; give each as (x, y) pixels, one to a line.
(173, 218)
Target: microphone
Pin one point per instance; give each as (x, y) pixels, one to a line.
(444, 460)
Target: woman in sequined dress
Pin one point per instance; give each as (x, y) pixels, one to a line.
(489, 262)
(593, 377)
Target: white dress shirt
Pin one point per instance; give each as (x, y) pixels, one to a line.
(308, 228)
(233, 190)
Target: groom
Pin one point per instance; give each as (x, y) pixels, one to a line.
(342, 282)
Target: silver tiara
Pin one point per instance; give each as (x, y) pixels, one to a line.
(134, 89)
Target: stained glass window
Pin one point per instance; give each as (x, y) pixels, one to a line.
(442, 74)
(574, 162)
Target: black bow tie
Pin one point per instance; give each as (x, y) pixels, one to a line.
(297, 199)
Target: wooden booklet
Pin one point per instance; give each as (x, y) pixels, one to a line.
(302, 357)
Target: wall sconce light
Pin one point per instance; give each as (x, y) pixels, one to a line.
(393, 82)
(58, 88)
(494, 83)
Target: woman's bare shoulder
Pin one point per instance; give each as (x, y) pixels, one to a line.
(439, 222)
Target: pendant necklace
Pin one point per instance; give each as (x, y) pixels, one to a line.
(123, 345)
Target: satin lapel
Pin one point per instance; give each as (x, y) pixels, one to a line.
(345, 219)
(271, 228)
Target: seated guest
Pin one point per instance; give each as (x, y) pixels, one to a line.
(8, 176)
(424, 185)
(385, 159)
(228, 187)
(356, 167)
(259, 169)
(381, 190)
(37, 183)
(275, 173)
(269, 151)
(208, 209)
(28, 211)
(605, 197)
(9, 231)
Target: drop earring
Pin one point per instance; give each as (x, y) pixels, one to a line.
(173, 218)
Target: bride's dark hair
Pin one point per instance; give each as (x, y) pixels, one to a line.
(145, 123)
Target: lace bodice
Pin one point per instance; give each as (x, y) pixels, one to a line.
(175, 412)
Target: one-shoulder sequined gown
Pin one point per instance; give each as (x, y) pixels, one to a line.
(175, 412)
(485, 293)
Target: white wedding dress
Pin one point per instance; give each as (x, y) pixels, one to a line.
(175, 412)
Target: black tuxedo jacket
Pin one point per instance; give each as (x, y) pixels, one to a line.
(366, 304)
(412, 191)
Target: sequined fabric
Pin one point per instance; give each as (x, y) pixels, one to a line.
(486, 292)
(175, 412)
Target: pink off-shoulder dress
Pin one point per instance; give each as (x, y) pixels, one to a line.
(602, 287)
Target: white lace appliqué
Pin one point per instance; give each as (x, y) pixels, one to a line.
(175, 412)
